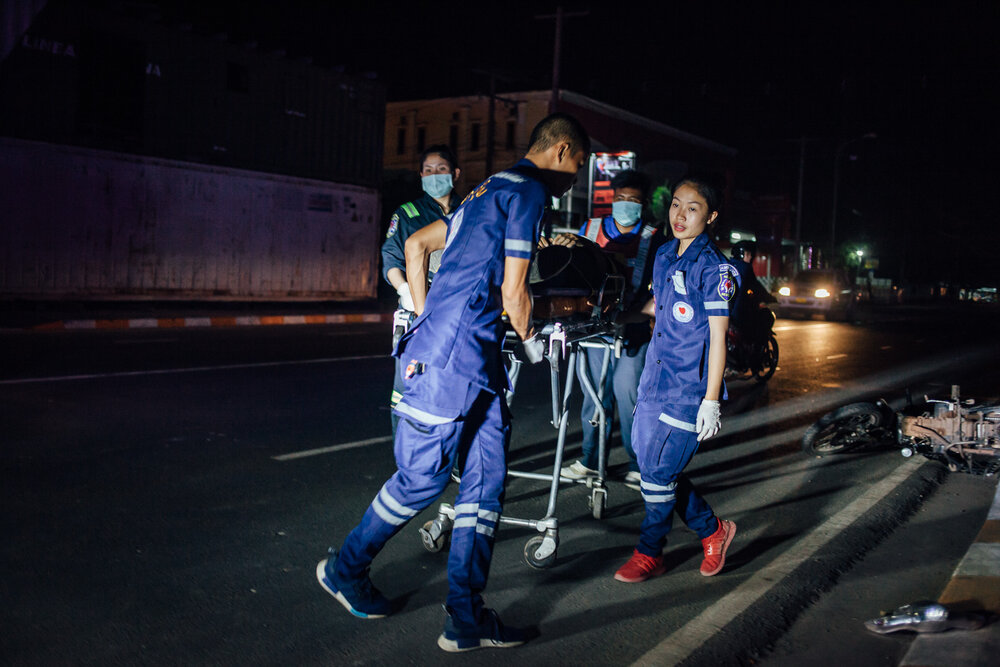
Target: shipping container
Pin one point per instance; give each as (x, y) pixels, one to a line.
(84, 223)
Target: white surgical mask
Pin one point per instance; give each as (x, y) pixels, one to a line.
(626, 213)
(436, 185)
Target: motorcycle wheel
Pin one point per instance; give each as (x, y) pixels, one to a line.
(768, 361)
(843, 430)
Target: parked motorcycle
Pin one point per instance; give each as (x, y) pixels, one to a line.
(963, 435)
(753, 356)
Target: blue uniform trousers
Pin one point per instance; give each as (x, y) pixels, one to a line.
(621, 388)
(444, 420)
(665, 441)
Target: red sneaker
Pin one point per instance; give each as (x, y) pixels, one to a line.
(640, 567)
(715, 546)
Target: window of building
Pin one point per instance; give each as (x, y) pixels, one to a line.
(474, 137)
(421, 139)
(511, 134)
(453, 137)
(401, 141)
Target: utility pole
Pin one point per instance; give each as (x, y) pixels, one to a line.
(798, 206)
(558, 16)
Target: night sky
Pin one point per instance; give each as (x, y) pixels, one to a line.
(922, 76)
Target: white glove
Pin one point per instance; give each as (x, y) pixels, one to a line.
(534, 349)
(405, 300)
(709, 419)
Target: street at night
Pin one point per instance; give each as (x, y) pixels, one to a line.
(268, 271)
(168, 493)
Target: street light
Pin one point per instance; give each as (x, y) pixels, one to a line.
(836, 184)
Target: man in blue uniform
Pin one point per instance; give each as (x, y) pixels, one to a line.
(453, 404)
(438, 173)
(682, 382)
(633, 244)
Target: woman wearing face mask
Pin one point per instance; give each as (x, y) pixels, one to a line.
(681, 384)
(438, 173)
(634, 244)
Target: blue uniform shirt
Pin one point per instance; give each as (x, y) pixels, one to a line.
(688, 290)
(460, 330)
(407, 219)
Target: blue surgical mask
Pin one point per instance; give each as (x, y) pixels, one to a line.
(626, 213)
(436, 185)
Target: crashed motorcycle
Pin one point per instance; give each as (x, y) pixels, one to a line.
(753, 356)
(961, 434)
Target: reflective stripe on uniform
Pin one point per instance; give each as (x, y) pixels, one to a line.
(513, 245)
(665, 493)
(410, 209)
(687, 426)
(395, 398)
(385, 514)
(658, 498)
(421, 415)
(394, 504)
(714, 305)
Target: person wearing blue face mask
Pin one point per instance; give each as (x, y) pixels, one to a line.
(438, 173)
(633, 243)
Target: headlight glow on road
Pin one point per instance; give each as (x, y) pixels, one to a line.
(822, 293)
(784, 291)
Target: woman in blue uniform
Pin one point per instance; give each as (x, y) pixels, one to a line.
(681, 383)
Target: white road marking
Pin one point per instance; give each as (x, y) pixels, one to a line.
(332, 448)
(194, 369)
(835, 356)
(687, 639)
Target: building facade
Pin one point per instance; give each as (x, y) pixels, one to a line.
(463, 123)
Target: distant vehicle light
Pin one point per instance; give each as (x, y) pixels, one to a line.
(822, 293)
(784, 291)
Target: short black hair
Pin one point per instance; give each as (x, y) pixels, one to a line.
(444, 151)
(558, 127)
(630, 178)
(706, 186)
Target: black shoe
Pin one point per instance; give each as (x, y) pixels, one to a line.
(491, 633)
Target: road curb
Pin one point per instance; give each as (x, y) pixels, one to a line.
(212, 321)
(974, 587)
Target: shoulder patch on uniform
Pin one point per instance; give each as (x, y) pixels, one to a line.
(727, 282)
(410, 209)
(393, 226)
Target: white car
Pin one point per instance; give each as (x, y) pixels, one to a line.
(818, 291)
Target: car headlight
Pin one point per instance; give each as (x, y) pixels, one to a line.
(785, 291)
(822, 293)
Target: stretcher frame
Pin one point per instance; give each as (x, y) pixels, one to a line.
(563, 341)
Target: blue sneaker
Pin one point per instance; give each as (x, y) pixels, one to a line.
(491, 633)
(360, 597)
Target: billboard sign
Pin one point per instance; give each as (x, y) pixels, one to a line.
(603, 167)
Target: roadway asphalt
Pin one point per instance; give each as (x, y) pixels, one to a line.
(974, 585)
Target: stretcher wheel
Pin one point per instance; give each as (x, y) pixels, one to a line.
(540, 552)
(597, 502)
(434, 537)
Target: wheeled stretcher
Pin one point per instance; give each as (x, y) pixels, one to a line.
(566, 338)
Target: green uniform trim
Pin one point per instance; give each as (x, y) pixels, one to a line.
(410, 209)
